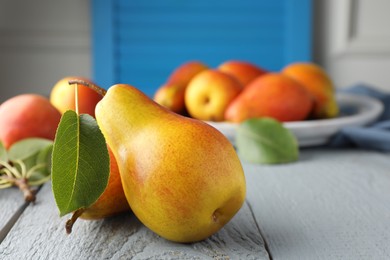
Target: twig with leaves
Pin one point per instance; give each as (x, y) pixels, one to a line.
(26, 164)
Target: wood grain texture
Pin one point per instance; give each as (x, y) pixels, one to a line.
(11, 199)
(332, 204)
(40, 234)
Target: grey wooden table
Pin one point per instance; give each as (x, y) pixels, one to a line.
(332, 204)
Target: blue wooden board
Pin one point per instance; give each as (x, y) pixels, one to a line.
(140, 42)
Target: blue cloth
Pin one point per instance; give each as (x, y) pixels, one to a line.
(375, 136)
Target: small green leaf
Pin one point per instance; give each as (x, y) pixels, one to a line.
(22, 167)
(267, 141)
(42, 158)
(80, 163)
(27, 151)
(3, 153)
(28, 147)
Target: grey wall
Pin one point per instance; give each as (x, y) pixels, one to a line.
(42, 41)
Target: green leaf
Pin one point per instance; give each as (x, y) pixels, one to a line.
(80, 163)
(3, 153)
(267, 141)
(43, 157)
(28, 151)
(28, 147)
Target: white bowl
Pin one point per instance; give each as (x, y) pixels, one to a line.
(355, 110)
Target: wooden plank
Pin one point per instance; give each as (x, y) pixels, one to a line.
(40, 234)
(12, 204)
(332, 204)
(10, 200)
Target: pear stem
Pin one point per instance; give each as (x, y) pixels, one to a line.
(90, 85)
(28, 193)
(76, 98)
(22, 184)
(69, 224)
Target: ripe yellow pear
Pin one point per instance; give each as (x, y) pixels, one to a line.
(181, 177)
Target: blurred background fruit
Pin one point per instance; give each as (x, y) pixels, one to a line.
(62, 96)
(272, 95)
(27, 115)
(171, 94)
(244, 71)
(209, 93)
(319, 84)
